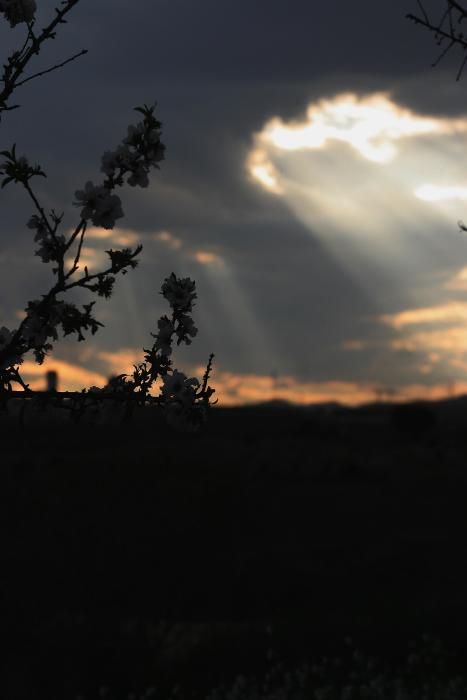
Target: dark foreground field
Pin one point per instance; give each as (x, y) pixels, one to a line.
(132, 556)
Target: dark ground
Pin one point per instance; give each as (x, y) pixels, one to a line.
(132, 554)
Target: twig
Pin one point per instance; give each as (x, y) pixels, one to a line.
(49, 70)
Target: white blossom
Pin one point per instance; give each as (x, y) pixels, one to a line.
(179, 292)
(108, 210)
(34, 331)
(177, 386)
(36, 222)
(49, 248)
(5, 339)
(17, 11)
(134, 134)
(139, 176)
(164, 336)
(38, 327)
(186, 327)
(153, 136)
(120, 158)
(5, 336)
(109, 162)
(100, 206)
(154, 155)
(89, 197)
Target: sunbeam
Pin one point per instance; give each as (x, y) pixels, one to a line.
(241, 322)
(355, 172)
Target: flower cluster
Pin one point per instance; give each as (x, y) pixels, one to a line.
(141, 149)
(52, 247)
(17, 11)
(7, 358)
(184, 399)
(100, 206)
(182, 411)
(164, 336)
(180, 293)
(44, 316)
(17, 169)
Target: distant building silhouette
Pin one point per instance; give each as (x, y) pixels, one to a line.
(51, 379)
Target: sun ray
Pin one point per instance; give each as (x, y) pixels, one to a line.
(256, 344)
(363, 174)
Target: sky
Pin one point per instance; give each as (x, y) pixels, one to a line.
(312, 187)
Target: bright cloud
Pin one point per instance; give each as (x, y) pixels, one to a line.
(443, 313)
(121, 361)
(458, 282)
(370, 125)
(436, 335)
(207, 258)
(90, 258)
(119, 236)
(242, 389)
(377, 183)
(452, 340)
(72, 377)
(263, 170)
(437, 193)
(168, 239)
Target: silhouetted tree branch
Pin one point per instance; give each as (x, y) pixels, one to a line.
(447, 30)
(18, 61)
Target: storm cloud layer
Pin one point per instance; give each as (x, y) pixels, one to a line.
(312, 186)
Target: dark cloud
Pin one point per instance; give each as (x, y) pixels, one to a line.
(219, 71)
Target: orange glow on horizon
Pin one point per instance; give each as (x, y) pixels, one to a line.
(71, 377)
(248, 389)
(235, 389)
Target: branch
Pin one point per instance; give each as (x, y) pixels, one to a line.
(49, 70)
(436, 29)
(74, 267)
(16, 63)
(459, 8)
(440, 32)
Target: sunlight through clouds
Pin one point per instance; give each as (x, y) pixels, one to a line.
(208, 258)
(444, 313)
(238, 312)
(377, 183)
(437, 193)
(437, 335)
(118, 235)
(168, 239)
(370, 125)
(382, 188)
(235, 389)
(458, 282)
(72, 377)
(96, 242)
(91, 258)
(264, 171)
